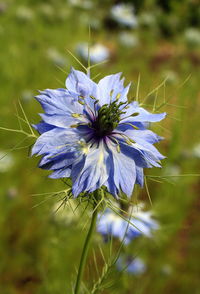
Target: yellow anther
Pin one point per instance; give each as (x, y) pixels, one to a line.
(81, 102)
(111, 92)
(92, 97)
(135, 114)
(81, 97)
(118, 148)
(76, 115)
(135, 127)
(128, 142)
(118, 96)
(74, 126)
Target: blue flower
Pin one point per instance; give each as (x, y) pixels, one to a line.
(131, 265)
(125, 229)
(90, 133)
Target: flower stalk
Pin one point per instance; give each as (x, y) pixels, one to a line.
(86, 245)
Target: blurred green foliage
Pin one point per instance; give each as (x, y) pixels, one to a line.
(39, 251)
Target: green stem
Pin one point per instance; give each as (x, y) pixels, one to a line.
(85, 250)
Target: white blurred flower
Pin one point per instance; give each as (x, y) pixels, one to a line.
(172, 170)
(6, 161)
(12, 192)
(27, 95)
(147, 19)
(170, 76)
(128, 39)
(24, 13)
(47, 11)
(192, 37)
(167, 269)
(196, 150)
(124, 15)
(86, 4)
(98, 52)
(3, 7)
(56, 57)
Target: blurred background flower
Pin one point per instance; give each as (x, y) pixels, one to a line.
(135, 266)
(56, 57)
(128, 39)
(126, 228)
(98, 52)
(192, 37)
(6, 161)
(123, 14)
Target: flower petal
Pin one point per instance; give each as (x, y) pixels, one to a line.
(58, 101)
(54, 140)
(124, 172)
(111, 87)
(143, 115)
(61, 173)
(145, 135)
(79, 82)
(94, 171)
(42, 127)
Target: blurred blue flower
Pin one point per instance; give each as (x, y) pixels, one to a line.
(126, 228)
(98, 52)
(131, 265)
(90, 133)
(124, 15)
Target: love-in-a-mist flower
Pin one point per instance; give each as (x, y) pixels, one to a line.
(125, 228)
(92, 134)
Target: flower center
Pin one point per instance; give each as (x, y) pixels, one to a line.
(108, 119)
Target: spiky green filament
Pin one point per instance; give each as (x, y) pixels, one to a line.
(108, 118)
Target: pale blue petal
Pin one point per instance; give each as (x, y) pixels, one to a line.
(53, 141)
(61, 173)
(111, 86)
(61, 121)
(57, 161)
(145, 135)
(58, 101)
(79, 82)
(124, 170)
(94, 171)
(143, 115)
(139, 176)
(42, 127)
